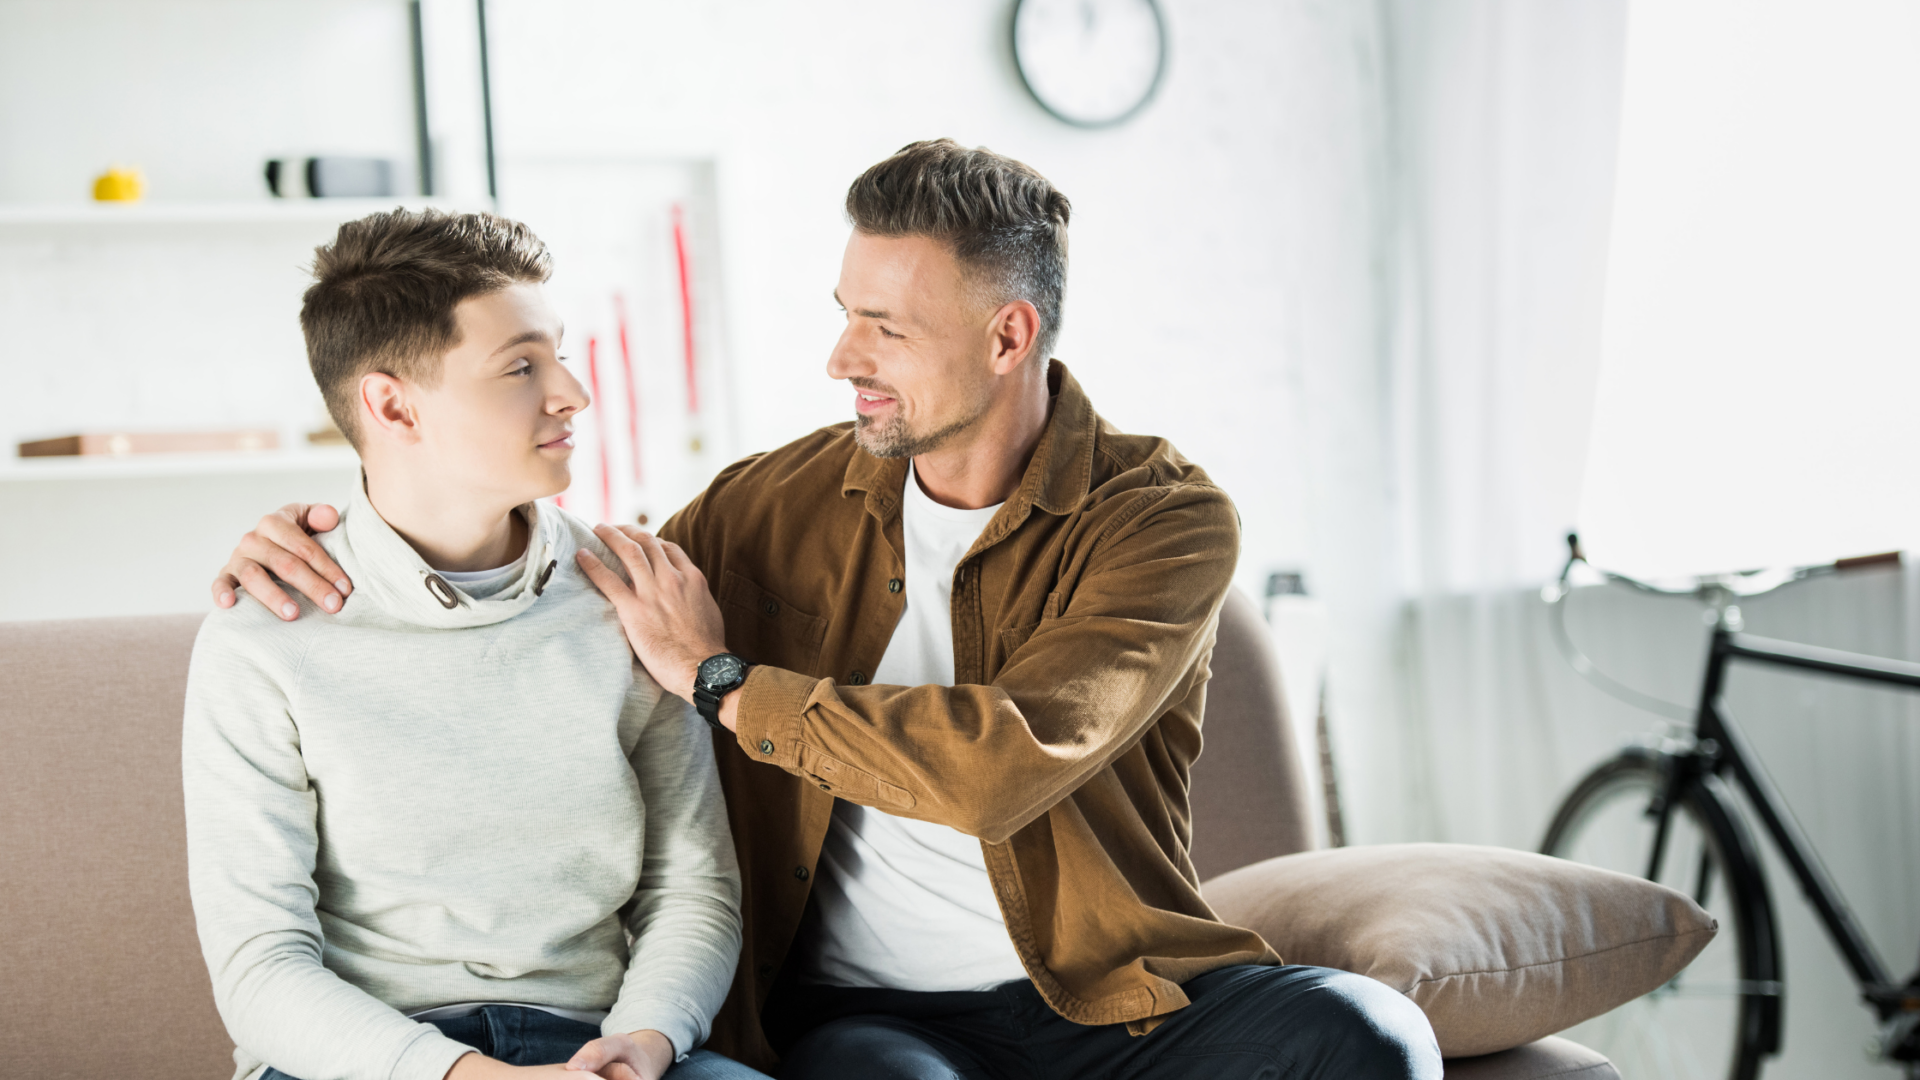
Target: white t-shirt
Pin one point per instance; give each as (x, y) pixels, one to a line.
(485, 584)
(900, 903)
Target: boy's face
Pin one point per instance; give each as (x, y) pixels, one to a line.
(500, 419)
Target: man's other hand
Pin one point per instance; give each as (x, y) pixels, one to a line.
(282, 546)
(670, 617)
(643, 1055)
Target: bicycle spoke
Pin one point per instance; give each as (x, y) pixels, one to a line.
(1723, 988)
(1686, 1052)
(1689, 1027)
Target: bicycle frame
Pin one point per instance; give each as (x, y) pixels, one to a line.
(1725, 749)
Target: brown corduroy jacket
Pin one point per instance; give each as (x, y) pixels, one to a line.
(1083, 618)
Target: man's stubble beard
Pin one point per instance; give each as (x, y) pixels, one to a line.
(895, 440)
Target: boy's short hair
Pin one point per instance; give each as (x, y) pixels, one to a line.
(384, 291)
(1004, 222)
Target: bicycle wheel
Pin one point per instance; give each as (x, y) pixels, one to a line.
(1719, 1017)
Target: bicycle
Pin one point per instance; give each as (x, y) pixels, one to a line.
(1665, 810)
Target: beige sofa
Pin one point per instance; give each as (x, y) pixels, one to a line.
(100, 971)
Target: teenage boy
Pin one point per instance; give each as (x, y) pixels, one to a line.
(450, 829)
(980, 619)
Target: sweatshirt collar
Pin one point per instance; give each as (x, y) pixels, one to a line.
(404, 586)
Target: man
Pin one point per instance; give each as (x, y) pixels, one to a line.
(979, 621)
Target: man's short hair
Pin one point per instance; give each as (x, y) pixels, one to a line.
(1004, 222)
(384, 291)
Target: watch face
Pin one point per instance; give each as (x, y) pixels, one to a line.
(1090, 62)
(722, 670)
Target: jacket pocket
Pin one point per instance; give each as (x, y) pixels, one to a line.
(1015, 636)
(765, 629)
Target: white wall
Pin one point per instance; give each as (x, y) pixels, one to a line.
(1210, 235)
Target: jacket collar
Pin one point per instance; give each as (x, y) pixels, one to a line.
(1057, 478)
(394, 576)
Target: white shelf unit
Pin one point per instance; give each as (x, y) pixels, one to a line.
(146, 534)
(140, 299)
(172, 466)
(263, 212)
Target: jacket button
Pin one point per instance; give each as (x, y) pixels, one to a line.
(770, 607)
(766, 746)
(800, 872)
(766, 971)
(858, 678)
(893, 585)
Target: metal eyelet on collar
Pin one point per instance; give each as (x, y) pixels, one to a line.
(442, 592)
(545, 576)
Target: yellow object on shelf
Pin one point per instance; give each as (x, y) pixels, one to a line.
(119, 185)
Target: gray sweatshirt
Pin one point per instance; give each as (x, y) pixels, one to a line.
(410, 804)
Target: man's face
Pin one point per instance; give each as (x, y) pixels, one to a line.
(917, 348)
(500, 420)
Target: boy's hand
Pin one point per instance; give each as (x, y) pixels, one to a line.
(282, 544)
(477, 1066)
(642, 1055)
(670, 617)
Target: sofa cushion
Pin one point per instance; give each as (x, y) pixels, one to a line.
(100, 968)
(1499, 947)
(1545, 1059)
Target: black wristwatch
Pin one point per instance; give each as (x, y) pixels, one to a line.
(717, 677)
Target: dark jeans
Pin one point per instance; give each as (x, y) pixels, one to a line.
(1244, 1022)
(520, 1036)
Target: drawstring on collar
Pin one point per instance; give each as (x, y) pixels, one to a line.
(449, 599)
(442, 592)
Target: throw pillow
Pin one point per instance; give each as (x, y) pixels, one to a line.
(1498, 947)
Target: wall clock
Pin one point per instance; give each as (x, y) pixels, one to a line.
(1092, 63)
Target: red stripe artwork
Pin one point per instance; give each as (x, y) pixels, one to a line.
(633, 387)
(606, 473)
(686, 306)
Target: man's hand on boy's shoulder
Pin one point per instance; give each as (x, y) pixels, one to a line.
(282, 546)
(669, 614)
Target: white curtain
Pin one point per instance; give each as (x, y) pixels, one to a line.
(1499, 135)
(1505, 121)
(1756, 397)
(1505, 116)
